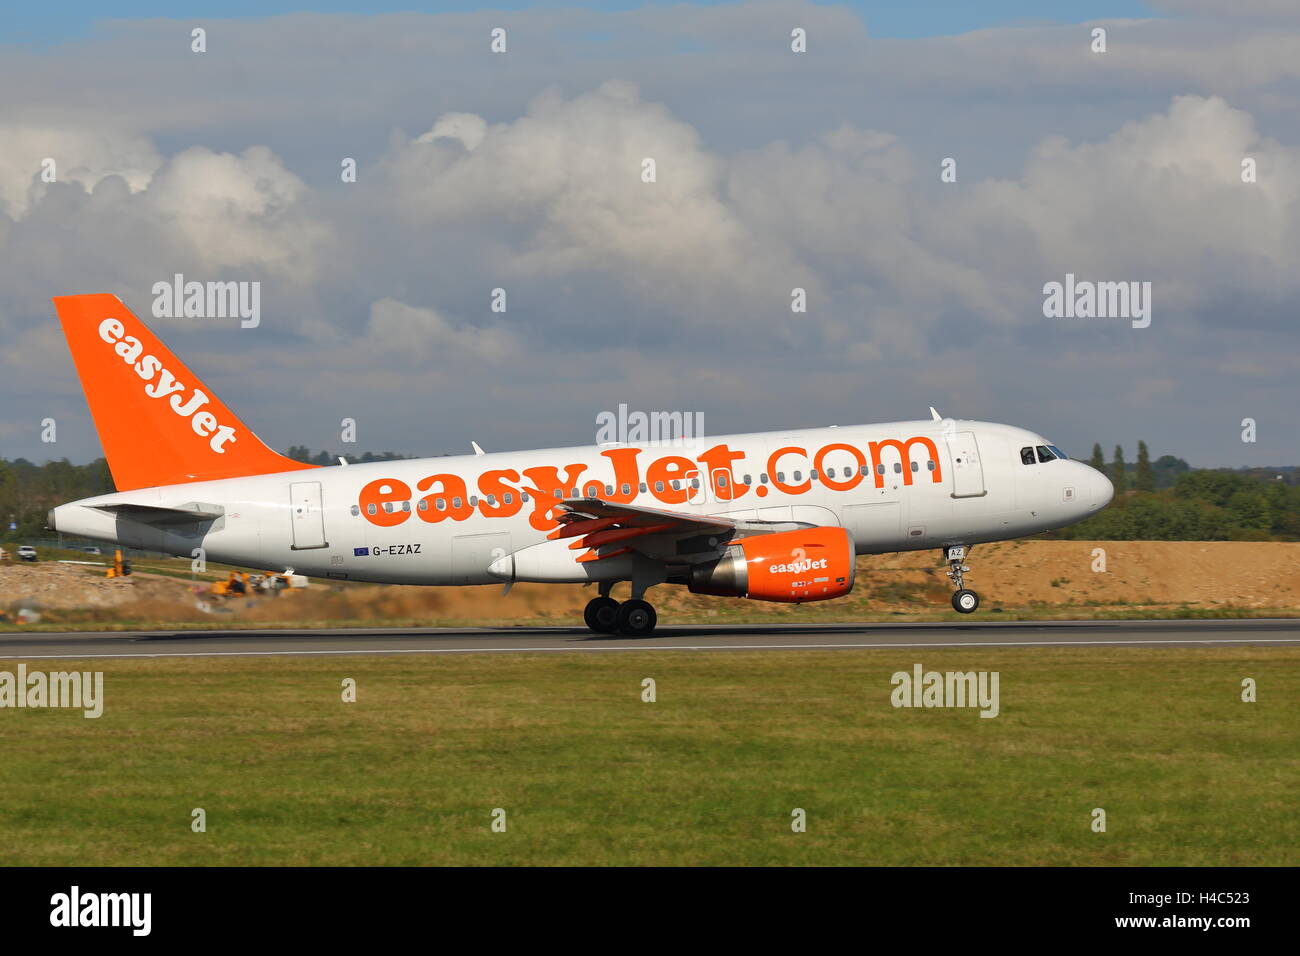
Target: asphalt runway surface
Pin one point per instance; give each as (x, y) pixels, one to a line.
(441, 640)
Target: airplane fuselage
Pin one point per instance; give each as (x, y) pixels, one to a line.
(897, 486)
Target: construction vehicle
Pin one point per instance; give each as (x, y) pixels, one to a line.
(283, 582)
(236, 585)
(120, 567)
(243, 584)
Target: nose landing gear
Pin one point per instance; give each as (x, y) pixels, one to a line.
(964, 600)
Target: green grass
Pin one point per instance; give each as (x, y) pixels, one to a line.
(709, 774)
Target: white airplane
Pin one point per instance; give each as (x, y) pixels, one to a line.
(772, 516)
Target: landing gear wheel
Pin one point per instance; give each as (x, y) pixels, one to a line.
(636, 618)
(964, 601)
(601, 615)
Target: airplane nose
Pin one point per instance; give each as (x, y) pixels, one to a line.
(1100, 490)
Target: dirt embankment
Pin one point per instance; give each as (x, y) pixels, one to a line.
(1028, 576)
(1205, 574)
(50, 585)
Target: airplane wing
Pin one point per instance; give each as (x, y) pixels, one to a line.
(607, 529)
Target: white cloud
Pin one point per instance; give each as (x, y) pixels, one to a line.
(1161, 199)
(465, 128)
(420, 337)
(570, 173)
(82, 156)
(239, 210)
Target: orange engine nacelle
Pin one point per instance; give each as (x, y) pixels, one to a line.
(810, 564)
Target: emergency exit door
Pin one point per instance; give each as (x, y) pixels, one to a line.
(307, 515)
(967, 471)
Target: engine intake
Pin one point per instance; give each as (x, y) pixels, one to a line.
(790, 567)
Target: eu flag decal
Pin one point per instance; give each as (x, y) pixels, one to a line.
(360, 552)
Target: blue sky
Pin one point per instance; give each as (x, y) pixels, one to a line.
(51, 23)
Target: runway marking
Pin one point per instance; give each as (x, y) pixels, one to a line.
(656, 647)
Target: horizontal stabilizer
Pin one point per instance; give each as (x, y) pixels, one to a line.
(155, 515)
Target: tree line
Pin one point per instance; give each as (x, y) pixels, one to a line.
(1167, 500)
(303, 453)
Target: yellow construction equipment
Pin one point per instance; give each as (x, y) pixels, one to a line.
(120, 567)
(284, 582)
(236, 585)
(242, 584)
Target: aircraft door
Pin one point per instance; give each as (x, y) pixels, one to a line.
(307, 515)
(967, 471)
(698, 493)
(723, 484)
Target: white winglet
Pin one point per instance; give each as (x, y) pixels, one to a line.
(935, 415)
(477, 450)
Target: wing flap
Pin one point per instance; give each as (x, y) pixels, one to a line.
(625, 515)
(605, 529)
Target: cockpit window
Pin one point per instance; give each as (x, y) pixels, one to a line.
(1044, 454)
(1027, 455)
(1058, 453)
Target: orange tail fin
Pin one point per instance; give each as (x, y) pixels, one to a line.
(158, 423)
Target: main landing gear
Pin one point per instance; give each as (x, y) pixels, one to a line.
(634, 618)
(604, 615)
(964, 600)
(601, 615)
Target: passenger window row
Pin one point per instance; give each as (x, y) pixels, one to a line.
(593, 491)
(440, 503)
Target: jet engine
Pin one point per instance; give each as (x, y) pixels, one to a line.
(791, 567)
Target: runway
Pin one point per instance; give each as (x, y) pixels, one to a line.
(439, 640)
